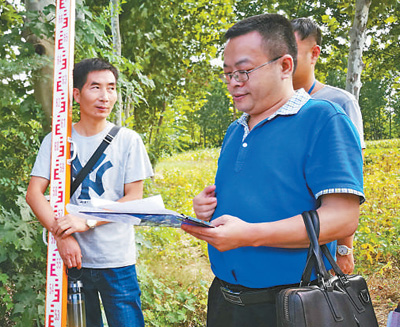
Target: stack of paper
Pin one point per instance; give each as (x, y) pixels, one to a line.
(148, 212)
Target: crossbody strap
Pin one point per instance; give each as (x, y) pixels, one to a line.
(94, 158)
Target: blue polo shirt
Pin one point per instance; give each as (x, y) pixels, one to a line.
(278, 170)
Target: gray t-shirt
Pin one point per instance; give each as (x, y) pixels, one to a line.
(124, 161)
(349, 104)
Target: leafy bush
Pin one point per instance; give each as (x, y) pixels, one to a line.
(22, 267)
(174, 277)
(377, 240)
(167, 302)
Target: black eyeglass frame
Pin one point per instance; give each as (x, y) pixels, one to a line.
(239, 74)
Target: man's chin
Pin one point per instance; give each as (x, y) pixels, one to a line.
(241, 108)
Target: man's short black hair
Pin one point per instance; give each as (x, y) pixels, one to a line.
(276, 31)
(86, 66)
(306, 27)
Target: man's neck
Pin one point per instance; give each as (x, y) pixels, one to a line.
(255, 119)
(307, 83)
(318, 86)
(89, 129)
(309, 86)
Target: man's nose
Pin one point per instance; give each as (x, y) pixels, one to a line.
(104, 96)
(232, 82)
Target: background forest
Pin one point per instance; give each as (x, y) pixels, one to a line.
(168, 53)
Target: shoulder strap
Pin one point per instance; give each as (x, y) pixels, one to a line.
(94, 158)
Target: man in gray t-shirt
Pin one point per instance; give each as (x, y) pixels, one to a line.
(347, 101)
(101, 254)
(309, 39)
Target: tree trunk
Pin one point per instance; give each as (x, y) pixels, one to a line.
(43, 82)
(357, 41)
(117, 51)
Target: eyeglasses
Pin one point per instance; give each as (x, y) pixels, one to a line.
(243, 75)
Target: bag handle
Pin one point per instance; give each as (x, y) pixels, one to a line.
(324, 247)
(315, 259)
(310, 263)
(94, 158)
(314, 218)
(310, 252)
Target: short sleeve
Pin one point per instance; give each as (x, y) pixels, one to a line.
(334, 163)
(41, 168)
(138, 165)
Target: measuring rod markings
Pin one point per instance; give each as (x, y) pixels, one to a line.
(56, 287)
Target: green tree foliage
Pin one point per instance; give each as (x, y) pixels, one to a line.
(381, 73)
(20, 114)
(215, 115)
(21, 253)
(174, 42)
(380, 55)
(375, 127)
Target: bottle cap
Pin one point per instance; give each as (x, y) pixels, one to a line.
(75, 286)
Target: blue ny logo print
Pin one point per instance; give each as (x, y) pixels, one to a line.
(87, 183)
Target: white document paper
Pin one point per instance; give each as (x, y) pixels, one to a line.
(148, 212)
(124, 212)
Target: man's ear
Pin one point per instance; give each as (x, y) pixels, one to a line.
(287, 65)
(77, 95)
(315, 52)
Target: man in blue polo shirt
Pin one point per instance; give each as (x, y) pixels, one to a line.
(287, 154)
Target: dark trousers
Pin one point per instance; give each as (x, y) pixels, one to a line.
(221, 313)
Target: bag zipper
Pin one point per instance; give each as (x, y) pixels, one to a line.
(286, 295)
(286, 304)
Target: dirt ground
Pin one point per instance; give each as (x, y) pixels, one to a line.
(385, 294)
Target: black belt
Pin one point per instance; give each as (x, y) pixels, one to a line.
(242, 296)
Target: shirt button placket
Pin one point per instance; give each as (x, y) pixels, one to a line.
(241, 157)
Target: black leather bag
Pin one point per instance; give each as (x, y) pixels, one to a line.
(334, 301)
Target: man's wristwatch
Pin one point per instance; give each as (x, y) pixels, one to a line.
(91, 223)
(344, 250)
